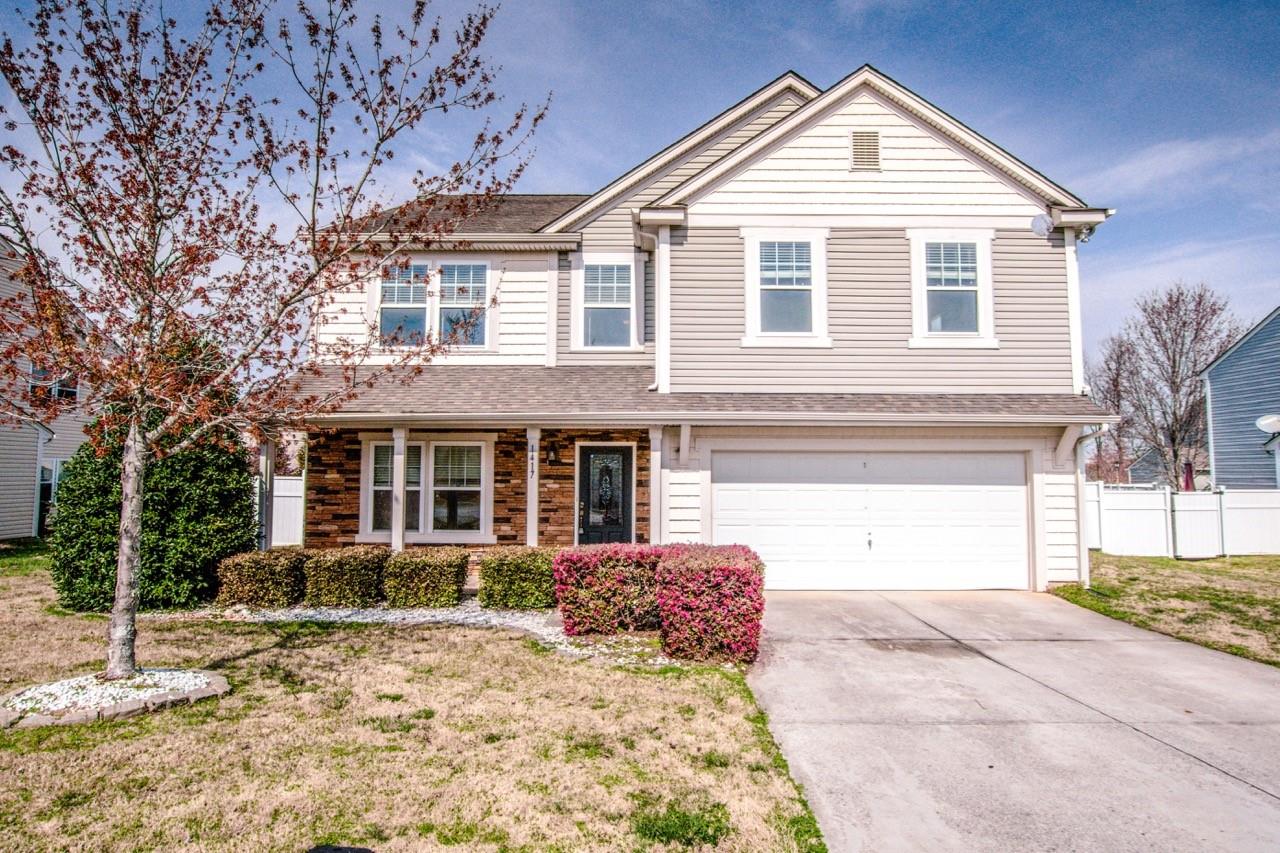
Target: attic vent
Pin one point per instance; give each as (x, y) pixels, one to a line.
(866, 151)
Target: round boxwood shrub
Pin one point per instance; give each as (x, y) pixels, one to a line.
(518, 578)
(263, 578)
(197, 508)
(346, 577)
(425, 577)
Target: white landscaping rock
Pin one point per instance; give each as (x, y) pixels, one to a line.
(88, 698)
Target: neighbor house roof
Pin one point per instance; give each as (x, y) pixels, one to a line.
(620, 394)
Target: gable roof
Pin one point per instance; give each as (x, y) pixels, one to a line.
(1261, 324)
(901, 96)
(787, 82)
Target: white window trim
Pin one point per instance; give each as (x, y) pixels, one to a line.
(817, 239)
(433, 264)
(577, 302)
(425, 535)
(921, 337)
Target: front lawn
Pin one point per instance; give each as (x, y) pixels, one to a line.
(1229, 603)
(394, 738)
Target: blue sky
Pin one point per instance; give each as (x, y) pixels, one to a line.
(1168, 112)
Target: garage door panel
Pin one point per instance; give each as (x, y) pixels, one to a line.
(933, 520)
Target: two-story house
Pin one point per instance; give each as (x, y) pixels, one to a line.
(837, 326)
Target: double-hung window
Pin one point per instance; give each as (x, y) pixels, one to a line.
(464, 293)
(606, 290)
(380, 488)
(456, 486)
(402, 315)
(786, 287)
(951, 288)
(66, 388)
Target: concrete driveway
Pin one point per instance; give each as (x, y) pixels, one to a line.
(1016, 721)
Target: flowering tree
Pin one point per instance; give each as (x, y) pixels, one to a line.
(182, 201)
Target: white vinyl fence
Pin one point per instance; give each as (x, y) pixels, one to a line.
(286, 512)
(1156, 522)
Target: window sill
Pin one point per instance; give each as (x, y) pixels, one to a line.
(373, 539)
(607, 349)
(952, 343)
(451, 538)
(787, 341)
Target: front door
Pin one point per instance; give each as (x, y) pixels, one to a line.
(604, 494)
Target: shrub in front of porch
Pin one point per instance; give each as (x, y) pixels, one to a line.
(604, 589)
(711, 601)
(518, 578)
(425, 577)
(273, 578)
(346, 577)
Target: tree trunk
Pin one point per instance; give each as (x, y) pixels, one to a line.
(122, 629)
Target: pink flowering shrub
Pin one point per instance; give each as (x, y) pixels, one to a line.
(711, 602)
(604, 589)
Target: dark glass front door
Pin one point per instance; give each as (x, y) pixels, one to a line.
(604, 494)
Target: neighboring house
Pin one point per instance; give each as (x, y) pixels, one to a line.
(1148, 467)
(31, 455)
(1242, 385)
(837, 326)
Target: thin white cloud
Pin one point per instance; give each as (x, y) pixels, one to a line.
(856, 10)
(1246, 270)
(1186, 166)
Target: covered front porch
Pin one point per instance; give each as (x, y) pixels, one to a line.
(412, 485)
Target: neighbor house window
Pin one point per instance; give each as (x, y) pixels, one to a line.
(402, 317)
(952, 304)
(606, 301)
(464, 293)
(66, 388)
(381, 487)
(456, 486)
(786, 287)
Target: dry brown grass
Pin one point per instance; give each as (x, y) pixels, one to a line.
(1230, 603)
(390, 738)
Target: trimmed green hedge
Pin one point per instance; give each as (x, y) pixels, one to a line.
(263, 578)
(425, 577)
(346, 577)
(518, 578)
(197, 508)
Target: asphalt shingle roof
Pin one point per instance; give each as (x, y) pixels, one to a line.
(515, 213)
(473, 392)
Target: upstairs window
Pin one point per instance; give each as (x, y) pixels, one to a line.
(464, 293)
(66, 388)
(951, 286)
(786, 287)
(606, 300)
(952, 301)
(402, 315)
(606, 297)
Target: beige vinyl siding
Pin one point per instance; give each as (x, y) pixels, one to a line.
(564, 296)
(519, 322)
(869, 320)
(18, 466)
(611, 230)
(921, 175)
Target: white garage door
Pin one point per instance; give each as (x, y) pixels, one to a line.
(835, 520)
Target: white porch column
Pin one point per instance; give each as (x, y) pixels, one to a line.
(657, 499)
(534, 437)
(399, 436)
(266, 492)
(662, 284)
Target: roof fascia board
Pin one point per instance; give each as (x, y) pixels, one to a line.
(461, 242)
(649, 168)
(712, 419)
(1249, 334)
(903, 97)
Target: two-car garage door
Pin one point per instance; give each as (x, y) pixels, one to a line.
(845, 520)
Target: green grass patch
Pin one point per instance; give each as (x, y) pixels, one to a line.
(23, 557)
(672, 823)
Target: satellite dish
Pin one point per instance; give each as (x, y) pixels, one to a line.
(1268, 423)
(1042, 225)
